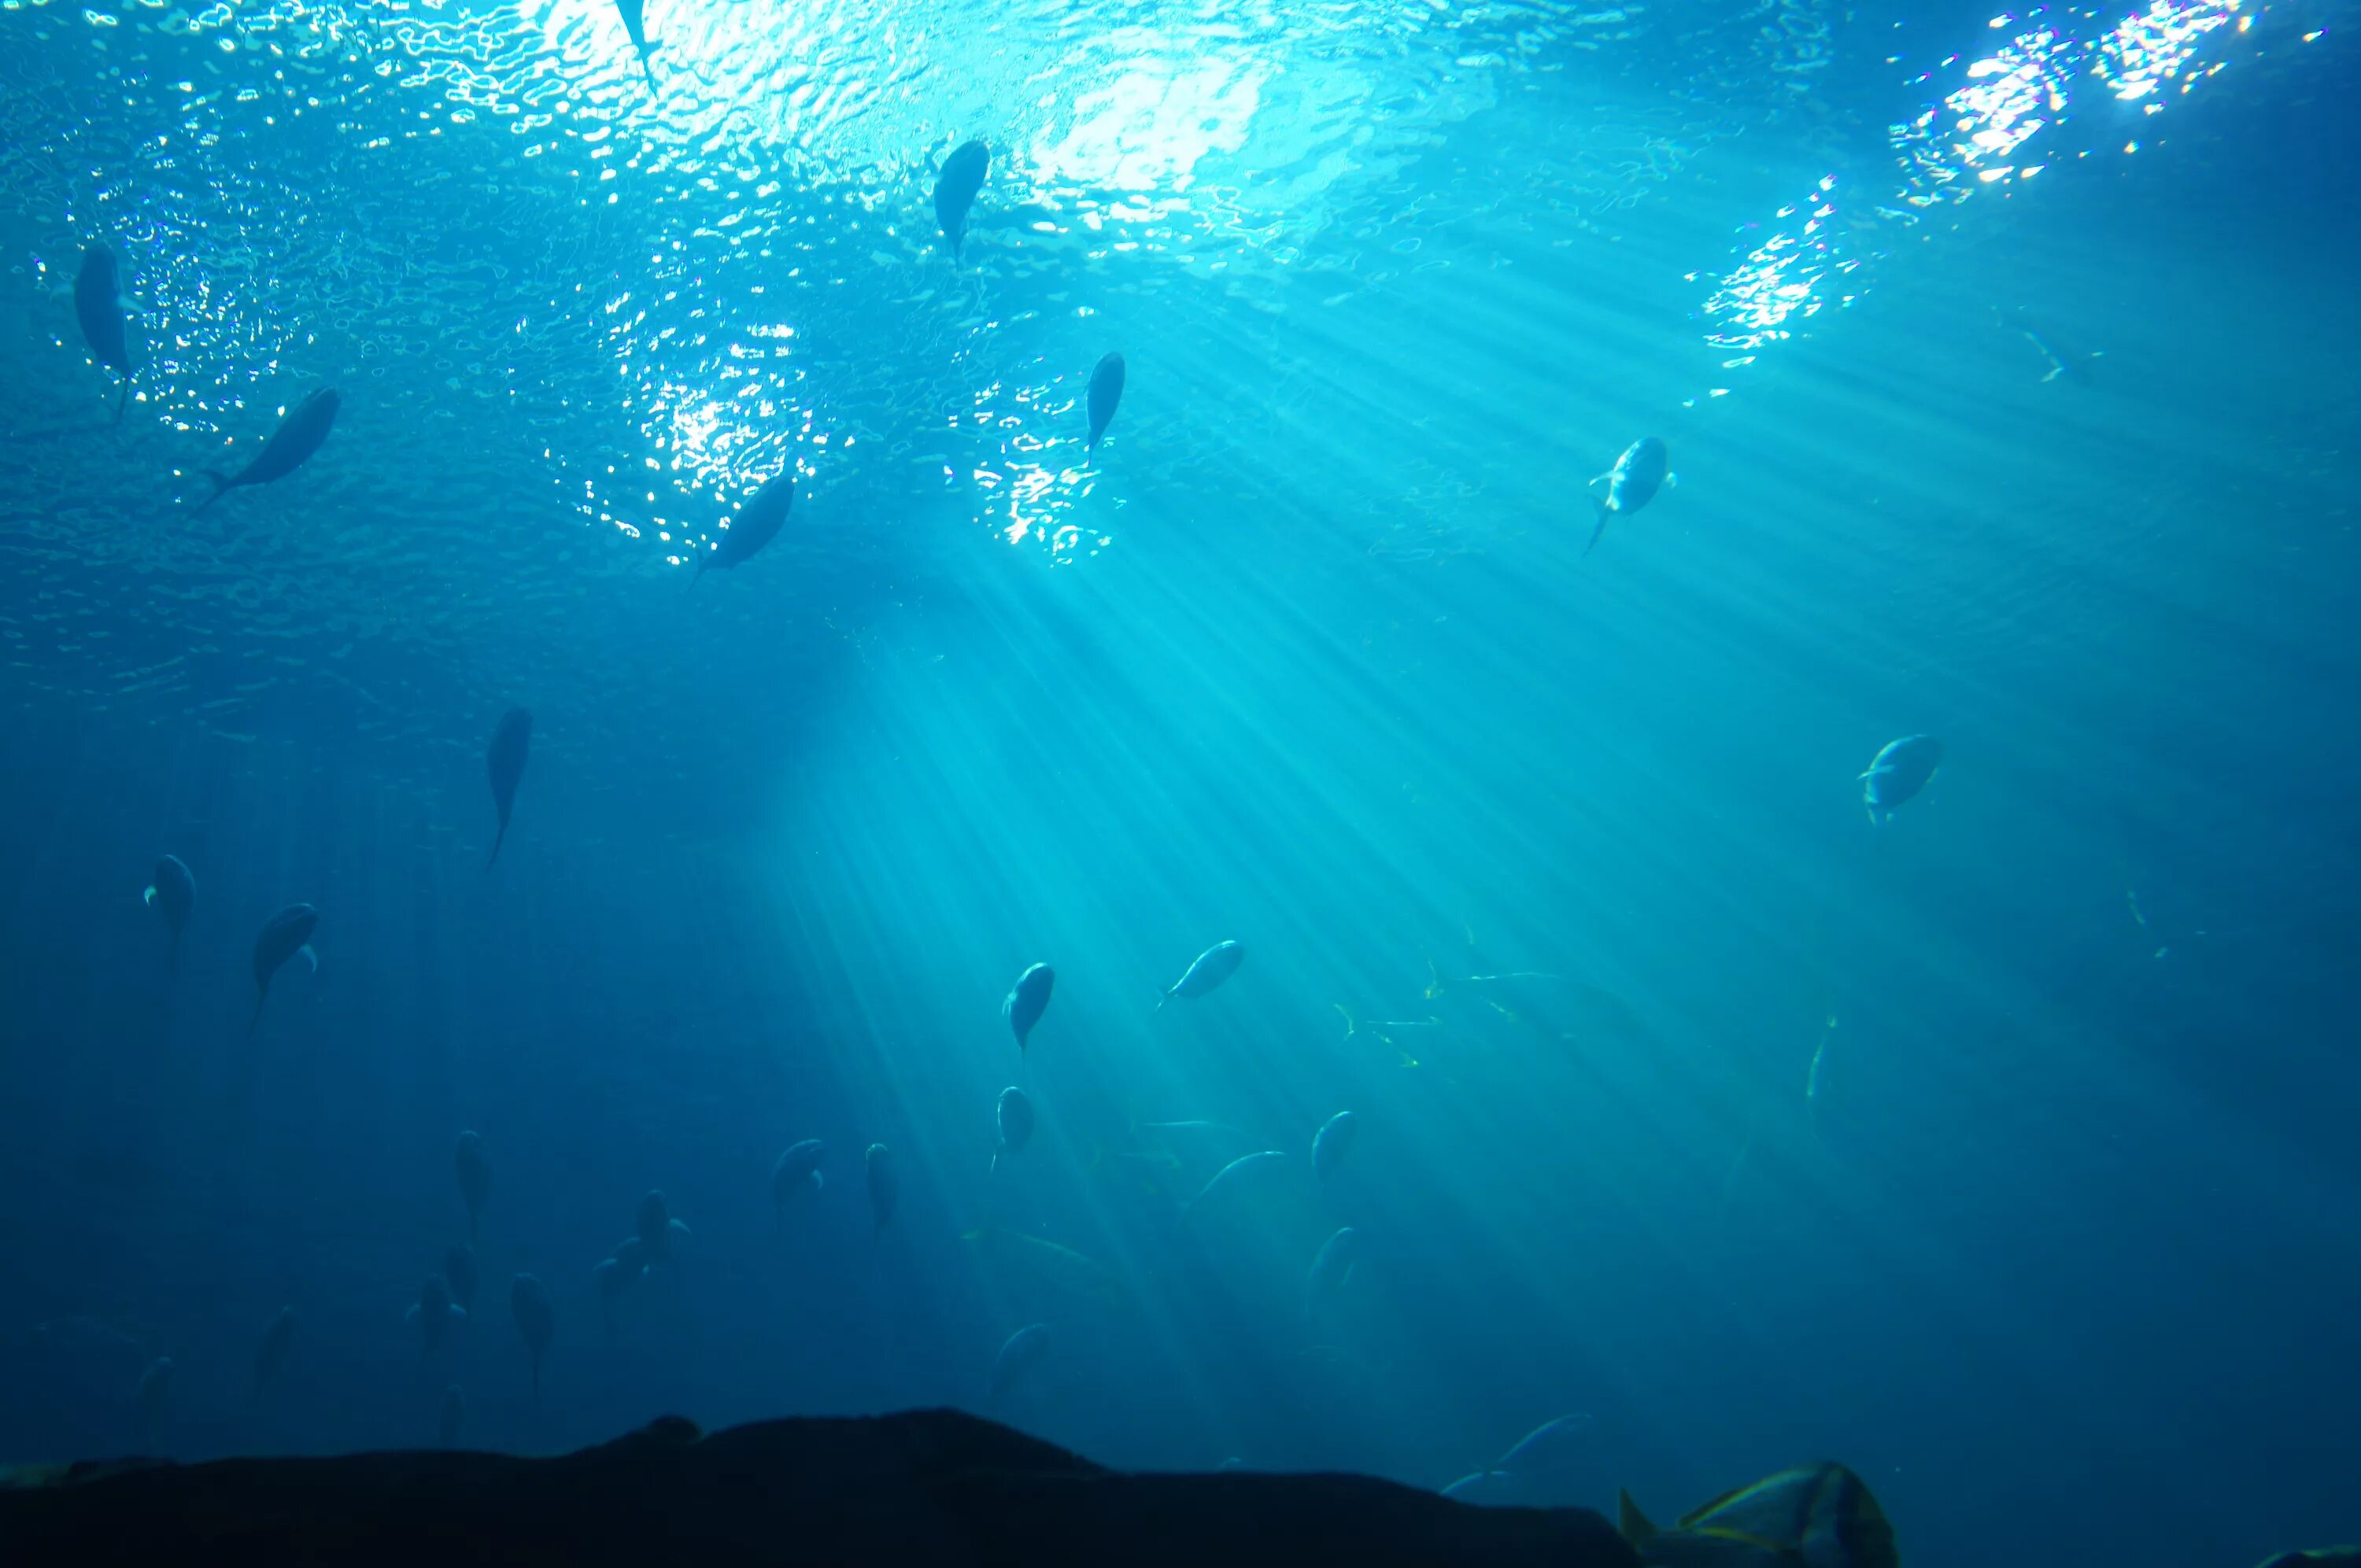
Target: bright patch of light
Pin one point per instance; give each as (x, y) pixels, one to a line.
(1784, 280)
(2148, 49)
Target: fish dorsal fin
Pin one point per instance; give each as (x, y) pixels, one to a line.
(1631, 1522)
(1697, 1517)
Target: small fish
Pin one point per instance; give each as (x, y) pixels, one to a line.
(1058, 1266)
(454, 1413)
(1239, 1173)
(956, 188)
(272, 1354)
(1105, 395)
(1019, 1355)
(504, 762)
(1212, 967)
(1553, 1445)
(173, 894)
(459, 1269)
(435, 1313)
(758, 522)
(1331, 1268)
(635, 28)
(1332, 1142)
(1819, 1515)
(1016, 1116)
(1631, 484)
(286, 935)
(474, 1180)
(655, 1229)
(104, 315)
(885, 1187)
(1898, 772)
(298, 436)
(536, 1321)
(797, 1169)
(1027, 1000)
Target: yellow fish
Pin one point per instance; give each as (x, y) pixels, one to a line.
(1815, 1516)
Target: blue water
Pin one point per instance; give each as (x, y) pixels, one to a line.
(2002, 1151)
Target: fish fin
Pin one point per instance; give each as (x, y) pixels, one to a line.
(818, 1181)
(1630, 1522)
(1672, 481)
(497, 839)
(1599, 479)
(261, 995)
(149, 898)
(680, 1230)
(993, 1169)
(1161, 998)
(123, 401)
(1605, 512)
(311, 960)
(411, 1316)
(458, 1313)
(222, 484)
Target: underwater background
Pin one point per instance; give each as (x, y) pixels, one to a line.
(2002, 1150)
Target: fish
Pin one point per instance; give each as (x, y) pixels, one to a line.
(271, 1353)
(149, 1396)
(1233, 1176)
(1016, 1124)
(885, 1187)
(956, 188)
(454, 1413)
(474, 1180)
(298, 436)
(104, 315)
(655, 1229)
(504, 762)
(1553, 1445)
(435, 1313)
(173, 894)
(1814, 1516)
(536, 1321)
(1105, 395)
(797, 1168)
(635, 26)
(758, 522)
(1897, 773)
(1631, 484)
(1058, 1266)
(1212, 967)
(1332, 1142)
(1022, 1352)
(459, 1269)
(1027, 1000)
(286, 935)
(1330, 1267)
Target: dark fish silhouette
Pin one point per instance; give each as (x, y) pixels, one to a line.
(298, 436)
(1212, 967)
(505, 762)
(1898, 772)
(1632, 483)
(474, 1180)
(634, 15)
(173, 894)
(1106, 392)
(758, 523)
(1016, 1124)
(1027, 1000)
(98, 304)
(284, 936)
(955, 190)
(536, 1321)
(797, 1168)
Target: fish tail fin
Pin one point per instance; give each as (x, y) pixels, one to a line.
(1161, 998)
(648, 63)
(994, 1168)
(536, 1380)
(498, 839)
(1605, 512)
(1631, 1523)
(261, 995)
(700, 569)
(123, 401)
(220, 488)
